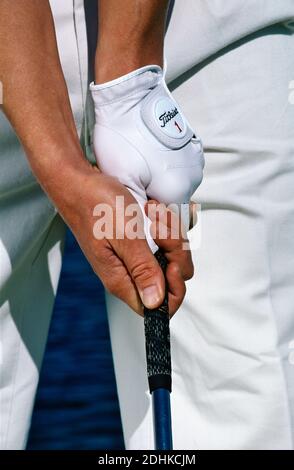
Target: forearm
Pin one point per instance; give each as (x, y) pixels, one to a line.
(130, 36)
(35, 94)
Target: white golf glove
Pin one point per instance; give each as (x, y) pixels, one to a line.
(142, 138)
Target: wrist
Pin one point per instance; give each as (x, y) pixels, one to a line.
(112, 63)
(62, 170)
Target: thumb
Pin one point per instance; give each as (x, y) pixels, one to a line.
(145, 272)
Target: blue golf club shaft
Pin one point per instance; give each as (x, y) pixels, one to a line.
(162, 419)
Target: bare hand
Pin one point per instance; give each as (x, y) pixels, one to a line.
(126, 266)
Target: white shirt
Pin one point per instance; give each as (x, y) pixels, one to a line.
(200, 28)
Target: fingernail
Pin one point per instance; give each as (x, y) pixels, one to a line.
(151, 296)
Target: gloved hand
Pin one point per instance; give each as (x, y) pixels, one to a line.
(142, 138)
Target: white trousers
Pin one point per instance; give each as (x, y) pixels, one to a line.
(31, 238)
(233, 338)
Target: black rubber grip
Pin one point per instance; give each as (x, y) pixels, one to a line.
(157, 338)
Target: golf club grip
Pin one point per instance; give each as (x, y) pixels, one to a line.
(157, 338)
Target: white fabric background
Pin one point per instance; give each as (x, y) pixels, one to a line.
(232, 377)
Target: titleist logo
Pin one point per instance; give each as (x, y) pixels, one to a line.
(166, 117)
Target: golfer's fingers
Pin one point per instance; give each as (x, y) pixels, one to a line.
(167, 233)
(144, 271)
(117, 280)
(158, 211)
(176, 287)
(121, 286)
(165, 225)
(175, 250)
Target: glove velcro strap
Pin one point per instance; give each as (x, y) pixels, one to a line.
(163, 117)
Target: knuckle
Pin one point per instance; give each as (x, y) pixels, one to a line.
(188, 271)
(143, 271)
(184, 259)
